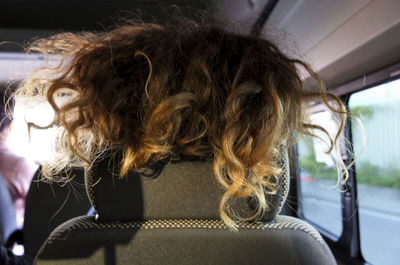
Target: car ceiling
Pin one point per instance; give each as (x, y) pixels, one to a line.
(342, 40)
(20, 20)
(75, 15)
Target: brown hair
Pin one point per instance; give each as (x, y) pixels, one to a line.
(154, 91)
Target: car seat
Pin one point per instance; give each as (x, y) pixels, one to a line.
(50, 204)
(168, 214)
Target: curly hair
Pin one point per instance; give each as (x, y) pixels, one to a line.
(152, 91)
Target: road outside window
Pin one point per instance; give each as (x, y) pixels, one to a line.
(319, 200)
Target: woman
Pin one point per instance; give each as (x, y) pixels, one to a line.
(152, 91)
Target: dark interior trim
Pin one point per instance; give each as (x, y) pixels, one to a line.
(381, 76)
(263, 17)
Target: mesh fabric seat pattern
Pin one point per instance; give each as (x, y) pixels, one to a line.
(287, 240)
(137, 236)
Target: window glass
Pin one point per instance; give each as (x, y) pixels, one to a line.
(378, 171)
(319, 200)
(36, 146)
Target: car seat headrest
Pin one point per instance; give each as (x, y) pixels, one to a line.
(174, 189)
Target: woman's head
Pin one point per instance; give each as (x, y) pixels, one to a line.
(152, 91)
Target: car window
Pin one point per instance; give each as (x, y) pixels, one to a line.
(319, 194)
(35, 145)
(378, 171)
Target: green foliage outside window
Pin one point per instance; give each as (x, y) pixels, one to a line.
(367, 173)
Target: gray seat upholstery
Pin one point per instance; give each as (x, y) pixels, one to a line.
(50, 204)
(169, 215)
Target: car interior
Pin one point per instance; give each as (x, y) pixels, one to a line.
(161, 217)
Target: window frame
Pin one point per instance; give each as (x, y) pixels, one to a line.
(347, 246)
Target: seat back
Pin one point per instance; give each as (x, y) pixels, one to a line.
(84, 240)
(170, 216)
(8, 223)
(50, 204)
